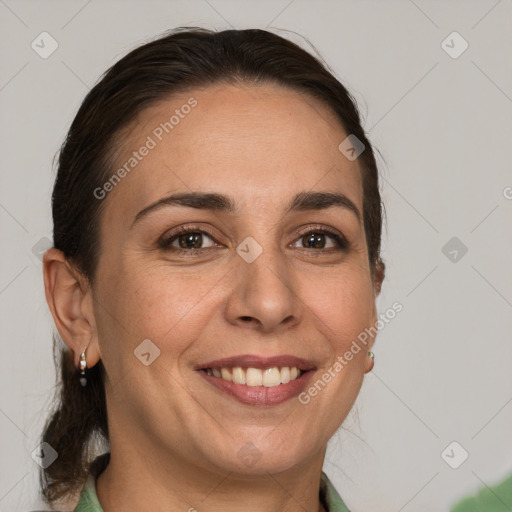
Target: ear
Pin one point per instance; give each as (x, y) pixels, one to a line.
(378, 274)
(69, 297)
(379, 271)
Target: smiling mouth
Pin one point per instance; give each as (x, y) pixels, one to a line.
(252, 377)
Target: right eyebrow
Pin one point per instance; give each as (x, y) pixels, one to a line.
(199, 200)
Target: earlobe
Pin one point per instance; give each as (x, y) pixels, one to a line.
(68, 296)
(370, 362)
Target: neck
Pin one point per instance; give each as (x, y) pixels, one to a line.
(132, 483)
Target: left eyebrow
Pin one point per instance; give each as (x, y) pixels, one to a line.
(302, 201)
(321, 201)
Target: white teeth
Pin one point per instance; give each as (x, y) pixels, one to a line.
(285, 375)
(226, 375)
(253, 377)
(238, 375)
(269, 377)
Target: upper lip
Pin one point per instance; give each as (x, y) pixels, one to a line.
(255, 361)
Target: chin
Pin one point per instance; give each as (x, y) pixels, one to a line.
(253, 458)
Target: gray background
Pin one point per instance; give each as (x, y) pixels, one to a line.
(443, 126)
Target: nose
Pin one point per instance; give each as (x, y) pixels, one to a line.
(263, 296)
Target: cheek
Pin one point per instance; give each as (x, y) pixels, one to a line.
(174, 308)
(150, 302)
(343, 304)
(343, 309)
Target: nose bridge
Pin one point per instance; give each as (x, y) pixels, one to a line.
(263, 289)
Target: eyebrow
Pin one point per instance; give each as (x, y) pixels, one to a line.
(303, 201)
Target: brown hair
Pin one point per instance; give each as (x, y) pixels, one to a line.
(180, 60)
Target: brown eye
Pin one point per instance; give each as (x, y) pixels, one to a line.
(322, 239)
(190, 241)
(314, 241)
(187, 240)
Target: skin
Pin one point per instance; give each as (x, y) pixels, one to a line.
(175, 438)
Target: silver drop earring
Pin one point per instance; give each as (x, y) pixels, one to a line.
(83, 367)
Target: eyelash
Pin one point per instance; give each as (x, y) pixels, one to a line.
(165, 242)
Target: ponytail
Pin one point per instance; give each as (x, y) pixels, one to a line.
(75, 426)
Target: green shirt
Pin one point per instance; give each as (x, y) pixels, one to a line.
(330, 498)
(496, 498)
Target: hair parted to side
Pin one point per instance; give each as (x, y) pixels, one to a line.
(180, 60)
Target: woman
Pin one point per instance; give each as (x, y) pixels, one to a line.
(217, 225)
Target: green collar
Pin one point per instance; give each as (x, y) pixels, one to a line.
(330, 497)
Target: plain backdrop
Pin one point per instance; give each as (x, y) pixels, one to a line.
(441, 120)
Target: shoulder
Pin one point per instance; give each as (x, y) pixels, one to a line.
(88, 501)
(491, 499)
(331, 499)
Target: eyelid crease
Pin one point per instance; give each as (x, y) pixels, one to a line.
(319, 227)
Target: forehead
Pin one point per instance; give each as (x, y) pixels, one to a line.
(260, 144)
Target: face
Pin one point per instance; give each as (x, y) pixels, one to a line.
(273, 276)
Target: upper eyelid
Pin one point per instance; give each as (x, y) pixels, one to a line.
(319, 227)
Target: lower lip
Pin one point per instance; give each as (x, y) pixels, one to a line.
(260, 395)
